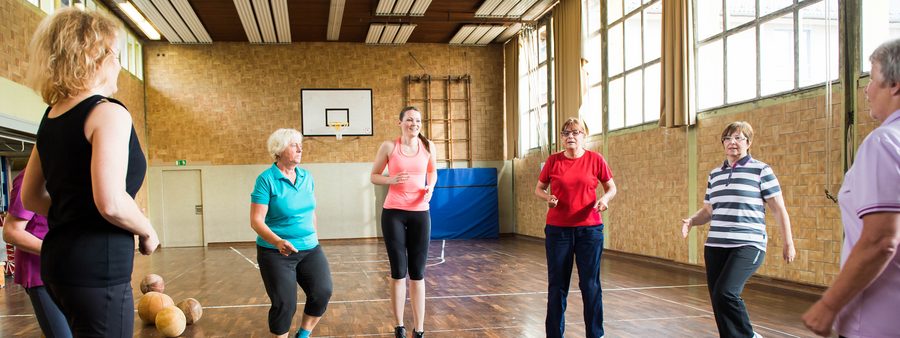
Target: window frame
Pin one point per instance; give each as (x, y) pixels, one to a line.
(607, 78)
(598, 85)
(792, 9)
(548, 63)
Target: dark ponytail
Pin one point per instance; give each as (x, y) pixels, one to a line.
(421, 136)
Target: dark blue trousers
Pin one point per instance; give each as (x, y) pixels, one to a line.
(584, 246)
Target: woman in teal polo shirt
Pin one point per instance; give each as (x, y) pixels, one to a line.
(282, 212)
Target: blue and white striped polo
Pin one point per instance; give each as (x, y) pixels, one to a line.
(737, 196)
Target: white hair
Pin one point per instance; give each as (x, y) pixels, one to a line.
(280, 139)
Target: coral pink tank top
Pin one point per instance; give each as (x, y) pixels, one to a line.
(409, 195)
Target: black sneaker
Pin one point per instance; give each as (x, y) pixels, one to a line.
(417, 334)
(399, 332)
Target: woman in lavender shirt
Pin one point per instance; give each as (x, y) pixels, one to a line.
(864, 298)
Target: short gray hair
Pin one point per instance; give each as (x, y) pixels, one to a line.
(280, 139)
(888, 57)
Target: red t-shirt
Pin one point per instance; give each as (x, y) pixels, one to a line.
(574, 182)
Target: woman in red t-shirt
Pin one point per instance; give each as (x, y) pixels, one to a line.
(574, 227)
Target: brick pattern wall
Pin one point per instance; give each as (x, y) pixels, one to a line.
(650, 170)
(18, 20)
(217, 104)
(864, 123)
(531, 212)
(131, 93)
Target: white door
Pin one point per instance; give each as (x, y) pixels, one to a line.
(182, 208)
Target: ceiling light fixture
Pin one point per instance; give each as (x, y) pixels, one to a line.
(138, 19)
(282, 24)
(165, 8)
(335, 16)
(190, 18)
(248, 20)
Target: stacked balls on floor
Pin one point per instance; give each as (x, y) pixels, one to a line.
(157, 308)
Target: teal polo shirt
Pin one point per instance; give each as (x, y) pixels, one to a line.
(291, 207)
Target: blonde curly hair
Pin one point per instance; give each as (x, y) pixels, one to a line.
(67, 50)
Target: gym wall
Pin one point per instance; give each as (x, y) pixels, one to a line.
(216, 105)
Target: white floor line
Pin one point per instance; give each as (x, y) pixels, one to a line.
(654, 319)
(655, 287)
(710, 312)
(442, 260)
(508, 294)
(502, 253)
(245, 257)
(506, 327)
(16, 316)
(378, 261)
(672, 301)
(774, 330)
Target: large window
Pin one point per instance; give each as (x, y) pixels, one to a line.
(880, 21)
(591, 111)
(748, 49)
(535, 88)
(633, 34)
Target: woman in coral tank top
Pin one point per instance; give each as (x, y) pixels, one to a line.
(405, 221)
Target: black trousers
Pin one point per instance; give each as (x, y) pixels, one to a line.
(50, 318)
(406, 236)
(96, 311)
(727, 270)
(281, 275)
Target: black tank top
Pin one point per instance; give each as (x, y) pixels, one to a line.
(82, 248)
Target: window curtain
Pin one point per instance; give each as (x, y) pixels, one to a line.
(567, 33)
(528, 37)
(677, 106)
(511, 98)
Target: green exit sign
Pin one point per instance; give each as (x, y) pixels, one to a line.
(181, 162)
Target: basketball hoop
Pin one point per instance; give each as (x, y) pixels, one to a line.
(338, 128)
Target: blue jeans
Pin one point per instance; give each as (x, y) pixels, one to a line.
(584, 245)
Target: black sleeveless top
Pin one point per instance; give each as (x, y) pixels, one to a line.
(82, 248)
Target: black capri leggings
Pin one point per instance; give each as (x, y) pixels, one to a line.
(406, 236)
(281, 274)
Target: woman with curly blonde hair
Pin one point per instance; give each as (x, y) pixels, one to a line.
(83, 173)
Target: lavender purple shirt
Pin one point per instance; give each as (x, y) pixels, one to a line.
(872, 185)
(28, 266)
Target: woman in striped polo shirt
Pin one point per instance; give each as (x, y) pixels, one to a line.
(736, 195)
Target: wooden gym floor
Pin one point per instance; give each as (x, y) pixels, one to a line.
(480, 288)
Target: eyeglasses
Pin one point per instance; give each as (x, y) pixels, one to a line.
(736, 139)
(567, 133)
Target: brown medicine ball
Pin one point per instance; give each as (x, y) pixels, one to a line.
(151, 303)
(192, 310)
(152, 282)
(170, 321)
